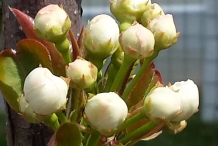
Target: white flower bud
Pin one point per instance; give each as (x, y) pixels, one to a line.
(106, 111)
(44, 92)
(154, 11)
(137, 41)
(128, 10)
(162, 104)
(189, 98)
(27, 112)
(101, 36)
(52, 23)
(164, 30)
(83, 73)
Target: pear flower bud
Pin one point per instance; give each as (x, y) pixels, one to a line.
(106, 111)
(52, 23)
(101, 36)
(137, 41)
(27, 112)
(189, 99)
(83, 73)
(164, 30)
(162, 104)
(154, 11)
(128, 10)
(44, 92)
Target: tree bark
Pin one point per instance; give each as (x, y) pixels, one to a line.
(20, 132)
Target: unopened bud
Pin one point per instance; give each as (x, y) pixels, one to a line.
(83, 73)
(106, 111)
(154, 11)
(164, 30)
(52, 23)
(101, 36)
(45, 92)
(137, 41)
(189, 98)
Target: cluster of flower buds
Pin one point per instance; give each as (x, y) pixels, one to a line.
(143, 31)
(173, 103)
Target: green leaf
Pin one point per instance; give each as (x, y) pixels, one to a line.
(68, 134)
(11, 78)
(31, 53)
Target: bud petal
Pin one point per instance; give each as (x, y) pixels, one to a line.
(140, 44)
(101, 36)
(164, 31)
(52, 23)
(128, 10)
(27, 112)
(44, 92)
(82, 72)
(162, 104)
(106, 111)
(189, 98)
(154, 11)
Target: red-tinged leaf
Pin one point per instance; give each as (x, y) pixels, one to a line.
(158, 75)
(26, 23)
(68, 134)
(31, 51)
(76, 51)
(141, 87)
(11, 78)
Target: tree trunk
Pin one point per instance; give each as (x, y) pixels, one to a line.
(20, 132)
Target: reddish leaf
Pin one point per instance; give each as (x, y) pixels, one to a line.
(35, 51)
(26, 23)
(148, 80)
(76, 51)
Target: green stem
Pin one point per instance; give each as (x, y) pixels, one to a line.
(63, 48)
(97, 61)
(93, 138)
(127, 62)
(75, 102)
(139, 74)
(112, 72)
(129, 122)
(52, 121)
(124, 26)
(138, 132)
(61, 117)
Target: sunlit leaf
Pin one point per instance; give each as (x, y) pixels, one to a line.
(11, 78)
(31, 52)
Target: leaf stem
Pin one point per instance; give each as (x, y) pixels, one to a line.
(129, 122)
(139, 74)
(127, 63)
(61, 117)
(63, 48)
(93, 138)
(52, 121)
(145, 128)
